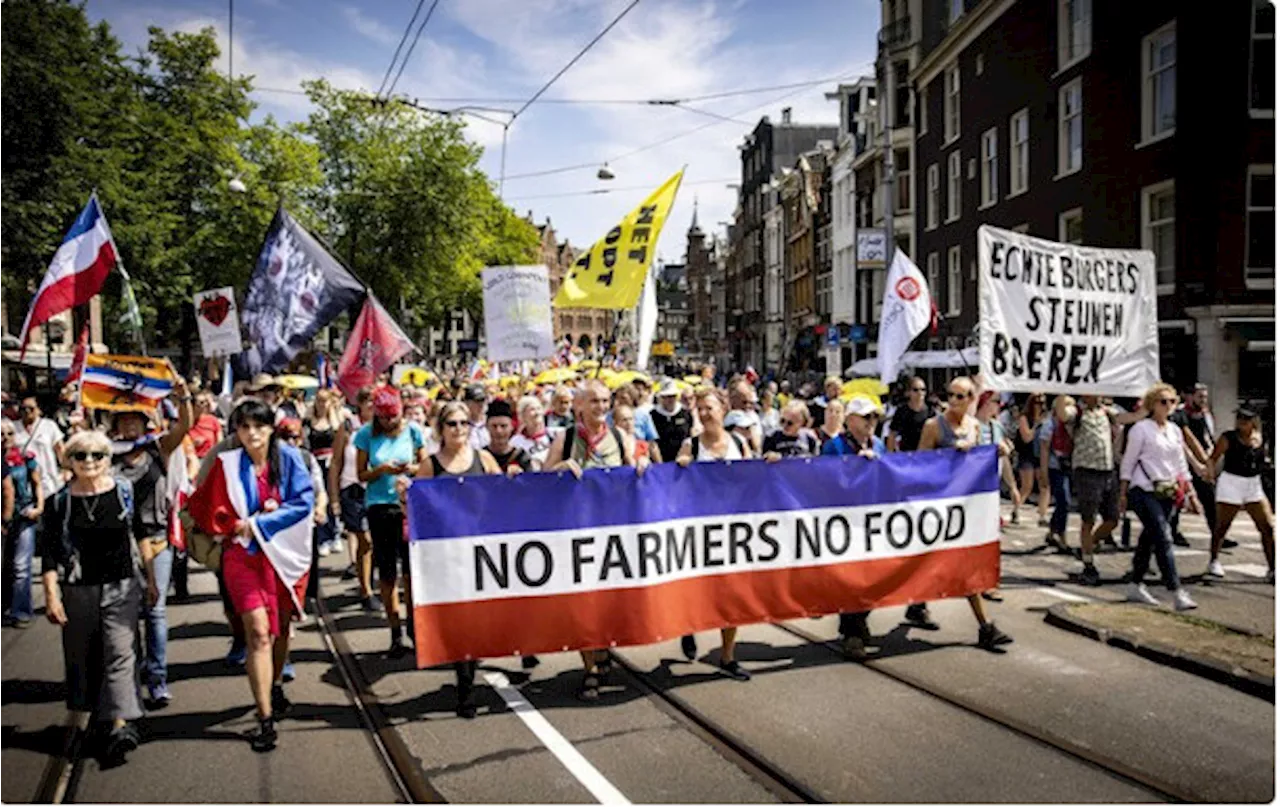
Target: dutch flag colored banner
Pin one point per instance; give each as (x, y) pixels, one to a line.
(547, 563)
(124, 383)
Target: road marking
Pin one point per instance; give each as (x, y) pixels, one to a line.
(1055, 664)
(1250, 569)
(1065, 595)
(576, 763)
(1183, 552)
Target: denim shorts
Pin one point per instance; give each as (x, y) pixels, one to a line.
(355, 514)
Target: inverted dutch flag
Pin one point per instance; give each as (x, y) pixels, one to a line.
(124, 382)
(77, 271)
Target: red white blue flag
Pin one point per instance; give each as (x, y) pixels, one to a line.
(77, 271)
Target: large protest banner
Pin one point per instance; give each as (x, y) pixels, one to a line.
(517, 313)
(1061, 318)
(124, 383)
(545, 562)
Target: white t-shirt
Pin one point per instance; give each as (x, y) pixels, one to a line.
(40, 441)
(733, 452)
(479, 437)
(537, 449)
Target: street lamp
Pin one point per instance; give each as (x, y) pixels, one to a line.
(236, 185)
(604, 172)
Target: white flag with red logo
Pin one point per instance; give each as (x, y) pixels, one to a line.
(908, 309)
(375, 344)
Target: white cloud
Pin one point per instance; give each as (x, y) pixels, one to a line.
(369, 27)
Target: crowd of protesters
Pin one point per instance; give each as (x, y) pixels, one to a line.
(95, 497)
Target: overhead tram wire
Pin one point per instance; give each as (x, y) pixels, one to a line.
(396, 56)
(502, 171)
(600, 191)
(679, 135)
(416, 36)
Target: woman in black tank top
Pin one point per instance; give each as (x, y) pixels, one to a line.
(1244, 455)
(456, 457)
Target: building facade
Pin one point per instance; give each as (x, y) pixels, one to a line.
(1060, 118)
(675, 319)
(586, 327)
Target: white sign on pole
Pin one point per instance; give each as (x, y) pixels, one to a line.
(1061, 318)
(648, 318)
(871, 248)
(218, 321)
(517, 312)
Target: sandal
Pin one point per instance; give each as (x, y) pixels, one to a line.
(992, 596)
(590, 690)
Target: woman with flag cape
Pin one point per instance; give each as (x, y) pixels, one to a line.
(259, 500)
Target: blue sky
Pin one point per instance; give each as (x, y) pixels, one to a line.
(508, 48)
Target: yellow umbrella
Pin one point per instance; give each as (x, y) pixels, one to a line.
(298, 381)
(627, 377)
(588, 364)
(693, 379)
(555, 375)
(509, 380)
(870, 387)
(415, 377)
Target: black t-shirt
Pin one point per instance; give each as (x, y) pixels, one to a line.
(100, 531)
(513, 456)
(672, 430)
(908, 424)
(804, 444)
(1198, 425)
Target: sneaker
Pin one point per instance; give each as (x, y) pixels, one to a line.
(1180, 540)
(735, 671)
(1090, 576)
(1043, 521)
(371, 605)
(1013, 517)
(349, 573)
(1137, 592)
(264, 739)
(287, 673)
(160, 695)
(1057, 542)
(1215, 569)
(281, 706)
(466, 710)
(236, 655)
(689, 646)
(324, 551)
(529, 662)
(339, 546)
(989, 636)
(399, 648)
(1182, 600)
(120, 742)
(16, 622)
(918, 615)
(1227, 543)
(853, 648)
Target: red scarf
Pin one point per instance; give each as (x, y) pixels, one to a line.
(592, 441)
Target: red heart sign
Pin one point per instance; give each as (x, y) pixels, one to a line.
(215, 309)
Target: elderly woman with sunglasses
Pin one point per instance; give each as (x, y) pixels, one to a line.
(1154, 470)
(93, 582)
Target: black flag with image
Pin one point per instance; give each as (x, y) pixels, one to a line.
(296, 289)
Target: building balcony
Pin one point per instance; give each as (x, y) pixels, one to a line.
(896, 34)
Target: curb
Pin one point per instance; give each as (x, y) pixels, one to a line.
(1260, 686)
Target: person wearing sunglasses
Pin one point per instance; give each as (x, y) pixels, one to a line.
(95, 573)
(457, 457)
(24, 505)
(957, 429)
(387, 448)
(793, 439)
(1155, 472)
(908, 420)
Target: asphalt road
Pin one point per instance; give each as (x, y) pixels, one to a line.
(930, 717)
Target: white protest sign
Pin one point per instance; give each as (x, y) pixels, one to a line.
(218, 321)
(517, 312)
(870, 248)
(1062, 318)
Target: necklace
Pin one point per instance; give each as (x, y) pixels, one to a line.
(91, 503)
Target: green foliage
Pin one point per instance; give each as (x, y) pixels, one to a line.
(397, 193)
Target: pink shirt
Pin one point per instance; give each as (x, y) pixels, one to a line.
(1153, 453)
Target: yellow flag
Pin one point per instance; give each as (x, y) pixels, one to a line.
(611, 274)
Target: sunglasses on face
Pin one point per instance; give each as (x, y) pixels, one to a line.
(85, 456)
(790, 422)
(958, 396)
(1168, 401)
(26, 409)
(456, 424)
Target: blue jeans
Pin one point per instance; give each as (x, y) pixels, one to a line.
(1060, 484)
(1156, 537)
(24, 547)
(154, 667)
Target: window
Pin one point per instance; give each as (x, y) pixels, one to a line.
(1019, 153)
(902, 160)
(1073, 31)
(1262, 60)
(953, 185)
(953, 281)
(951, 103)
(990, 175)
(1260, 227)
(932, 277)
(923, 98)
(1158, 233)
(1159, 86)
(1070, 129)
(931, 201)
(1071, 227)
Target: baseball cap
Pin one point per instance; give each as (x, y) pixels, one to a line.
(474, 392)
(860, 405)
(985, 396)
(386, 402)
(289, 427)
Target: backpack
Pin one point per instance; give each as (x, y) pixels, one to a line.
(571, 434)
(1061, 442)
(68, 553)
